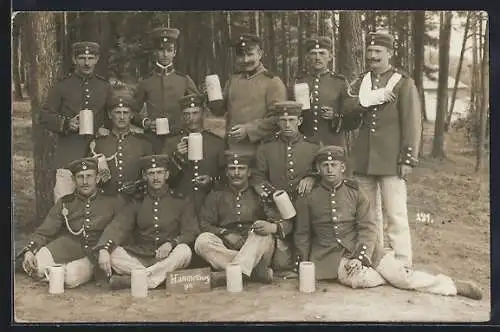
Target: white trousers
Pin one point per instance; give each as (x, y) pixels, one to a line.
(76, 272)
(391, 270)
(65, 184)
(124, 263)
(211, 248)
(390, 192)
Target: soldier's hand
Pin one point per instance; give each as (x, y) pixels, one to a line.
(404, 171)
(29, 263)
(182, 146)
(203, 180)
(353, 266)
(74, 123)
(262, 227)
(238, 132)
(105, 261)
(235, 241)
(150, 125)
(102, 132)
(260, 191)
(327, 113)
(306, 185)
(164, 250)
(389, 96)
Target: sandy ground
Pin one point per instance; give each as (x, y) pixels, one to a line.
(456, 244)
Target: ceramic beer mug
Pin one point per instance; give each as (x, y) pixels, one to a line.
(139, 283)
(307, 277)
(284, 204)
(214, 90)
(162, 126)
(195, 146)
(302, 95)
(55, 275)
(234, 279)
(86, 120)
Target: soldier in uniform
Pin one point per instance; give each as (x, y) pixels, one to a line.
(335, 230)
(249, 97)
(163, 89)
(234, 226)
(60, 114)
(328, 94)
(195, 177)
(284, 162)
(387, 146)
(72, 227)
(152, 232)
(122, 148)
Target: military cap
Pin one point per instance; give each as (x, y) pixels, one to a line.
(245, 40)
(162, 36)
(330, 152)
(285, 108)
(234, 157)
(318, 42)
(192, 100)
(381, 39)
(85, 47)
(82, 164)
(153, 161)
(122, 99)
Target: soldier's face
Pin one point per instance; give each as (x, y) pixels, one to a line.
(156, 177)
(193, 117)
(166, 55)
(331, 171)
(289, 124)
(121, 117)
(319, 58)
(238, 175)
(248, 58)
(377, 57)
(86, 182)
(85, 63)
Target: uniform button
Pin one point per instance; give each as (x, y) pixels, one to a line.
(155, 203)
(374, 115)
(195, 188)
(364, 247)
(317, 99)
(237, 198)
(87, 219)
(86, 102)
(291, 170)
(156, 225)
(372, 130)
(407, 161)
(316, 86)
(360, 257)
(119, 147)
(289, 147)
(120, 183)
(334, 210)
(315, 120)
(375, 108)
(289, 155)
(239, 212)
(195, 166)
(315, 107)
(87, 206)
(196, 174)
(120, 154)
(315, 113)
(316, 80)
(120, 140)
(120, 175)
(240, 225)
(338, 240)
(155, 218)
(374, 123)
(120, 161)
(87, 226)
(86, 246)
(362, 252)
(87, 212)
(238, 205)
(408, 155)
(315, 128)
(335, 227)
(157, 239)
(335, 218)
(333, 202)
(291, 163)
(120, 168)
(155, 210)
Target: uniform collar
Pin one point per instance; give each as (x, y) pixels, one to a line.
(237, 192)
(88, 198)
(248, 75)
(323, 73)
(122, 135)
(155, 194)
(84, 77)
(331, 188)
(384, 73)
(292, 140)
(165, 70)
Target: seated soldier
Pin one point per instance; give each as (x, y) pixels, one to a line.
(122, 147)
(152, 232)
(349, 251)
(72, 227)
(284, 162)
(194, 178)
(233, 223)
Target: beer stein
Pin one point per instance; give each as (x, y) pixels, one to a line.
(214, 90)
(139, 283)
(55, 275)
(234, 279)
(307, 277)
(284, 204)
(86, 122)
(195, 146)
(162, 126)
(302, 95)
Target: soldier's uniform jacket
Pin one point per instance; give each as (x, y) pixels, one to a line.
(248, 99)
(333, 223)
(327, 89)
(212, 164)
(92, 213)
(65, 100)
(147, 223)
(123, 152)
(389, 133)
(161, 93)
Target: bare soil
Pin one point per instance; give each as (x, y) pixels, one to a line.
(457, 244)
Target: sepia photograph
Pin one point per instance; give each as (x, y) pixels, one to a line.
(250, 166)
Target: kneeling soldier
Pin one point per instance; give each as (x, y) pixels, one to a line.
(158, 228)
(336, 231)
(72, 227)
(233, 221)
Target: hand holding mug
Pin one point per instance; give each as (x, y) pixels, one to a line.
(203, 180)
(29, 263)
(150, 125)
(182, 146)
(74, 123)
(327, 112)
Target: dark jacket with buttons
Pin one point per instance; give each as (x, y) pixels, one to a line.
(147, 223)
(65, 100)
(93, 213)
(333, 223)
(212, 164)
(123, 153)
(389, 133)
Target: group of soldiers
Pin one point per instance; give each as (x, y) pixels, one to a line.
(161, 211)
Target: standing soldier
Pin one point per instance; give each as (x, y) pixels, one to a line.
(285, 162)
(249, 96)
(336, 231)
(387, 146)
(329, 97)
(153, 232)
(60, 114)
(122, 148)
(163, 89)
(72, 227)
(195, 177)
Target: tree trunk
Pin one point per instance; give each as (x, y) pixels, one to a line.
(459, 70)
(442, 93)
(484, 101)
(418, 61)
(300, 43)
(272, 60)
(16, 35)
(472, 103)
(42, 36)
(105, 44)
(285, 48)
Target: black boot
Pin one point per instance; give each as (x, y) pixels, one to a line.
(264, 276)
(117, 282)
(217, 279)
(469, 289)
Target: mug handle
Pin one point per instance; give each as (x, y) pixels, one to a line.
(184, 139)
(47, 274)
